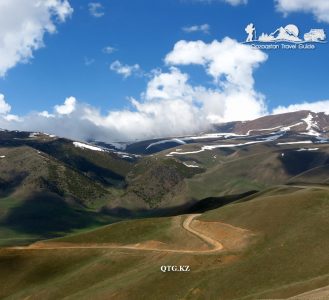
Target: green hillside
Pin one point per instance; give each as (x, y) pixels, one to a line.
(49, 187)
(287, 256)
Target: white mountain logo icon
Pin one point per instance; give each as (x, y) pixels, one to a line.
(290, 34)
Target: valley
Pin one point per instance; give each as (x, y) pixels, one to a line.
(245, 206)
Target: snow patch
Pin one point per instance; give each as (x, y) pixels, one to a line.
(288, 128)
(178, 141)
(307, 149)
(86, 146)
(190, 166)
(213, 136)
(36, 134)
(310, 126)
(295, 143)
(280, 127)
(265, 129)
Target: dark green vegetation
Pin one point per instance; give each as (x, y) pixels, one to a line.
(49, 187)
(156, 181)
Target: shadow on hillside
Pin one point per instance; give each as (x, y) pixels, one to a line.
(96, 172)
(193, 206)
(297, 162)
(47, 215)
(7, 187)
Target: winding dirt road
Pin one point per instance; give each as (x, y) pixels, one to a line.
(216, 245)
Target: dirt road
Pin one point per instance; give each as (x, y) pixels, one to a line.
(187, 226)
(215, 245)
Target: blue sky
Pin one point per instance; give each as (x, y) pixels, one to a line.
(73, 61)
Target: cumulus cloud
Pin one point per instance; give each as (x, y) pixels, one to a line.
(5, 108)
(231, 66)
(318, 106)
(11, 118)
(205, 28)
(67, 108)
(228, 58)
(319, 8)
(23, 24)
(170, 104)
(125, 70)
(96, 9)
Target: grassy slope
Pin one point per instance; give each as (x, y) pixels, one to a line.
(290, 257)
(255, 167)
(43, 215)
(294, 229)
(41, 196)
(165, 230)
(238, 175)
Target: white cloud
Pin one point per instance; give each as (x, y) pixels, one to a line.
(231, 2)
(23, 24)
(109, 50)
(125, 70)
(67, 108)
(319, 8)
(205, 28)
(228, 62)
(170, 105)
(46, 114)
(166, 86)
(11, 118)
(5, 108)
(96, 9)
(318, 106)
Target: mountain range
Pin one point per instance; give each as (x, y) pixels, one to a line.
(255, 174)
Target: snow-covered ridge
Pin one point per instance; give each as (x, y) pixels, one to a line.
(280, 128)
(86, 146)
(311, 125)
(99, 149)
(177, 141)
(212, 147)
(183, 140)
(212, 136)
(36, 134)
